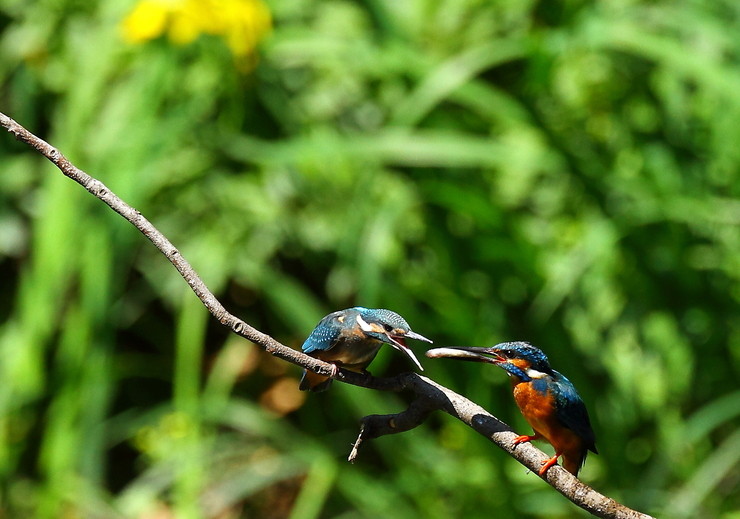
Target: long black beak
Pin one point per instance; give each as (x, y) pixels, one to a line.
(470, 353)
(414, 335)
(400, 345)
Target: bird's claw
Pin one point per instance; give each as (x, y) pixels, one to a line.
(547, 464)
(523, 439)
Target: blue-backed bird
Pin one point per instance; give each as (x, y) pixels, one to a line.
(548, 400)
(351, 339)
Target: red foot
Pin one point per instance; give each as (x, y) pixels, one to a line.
(549, 463)
(524, 438)
(334, 370)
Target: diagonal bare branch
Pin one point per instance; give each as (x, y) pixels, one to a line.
(430, 396)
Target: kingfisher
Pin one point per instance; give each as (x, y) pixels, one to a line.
(548, 400)
(351, 339)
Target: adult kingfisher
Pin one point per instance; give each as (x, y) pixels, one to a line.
(351, 339)
(548, 400)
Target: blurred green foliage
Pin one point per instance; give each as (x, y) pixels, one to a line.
(563, 172)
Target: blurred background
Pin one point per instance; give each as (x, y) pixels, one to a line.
(562, 172)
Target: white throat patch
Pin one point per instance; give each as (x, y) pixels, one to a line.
(533, 373)
(363, 325)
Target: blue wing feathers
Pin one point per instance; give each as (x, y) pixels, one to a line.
(322, 338)
(571, 411)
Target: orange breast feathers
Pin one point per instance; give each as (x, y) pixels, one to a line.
(539, 410)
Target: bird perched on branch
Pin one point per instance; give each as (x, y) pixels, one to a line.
(548, 400)
(351, 339)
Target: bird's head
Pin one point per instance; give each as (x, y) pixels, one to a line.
(390, 328)
(519, 359)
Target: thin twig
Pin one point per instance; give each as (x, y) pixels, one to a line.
(430, 396)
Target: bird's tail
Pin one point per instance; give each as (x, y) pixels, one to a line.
(573, 462)
(314, 382)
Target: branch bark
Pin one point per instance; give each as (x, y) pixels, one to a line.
(429, 396)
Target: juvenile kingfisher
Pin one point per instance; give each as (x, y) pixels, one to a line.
(547, 399)
(351, 339)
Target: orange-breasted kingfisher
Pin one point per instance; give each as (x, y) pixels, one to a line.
(351, 339)
(548, 400)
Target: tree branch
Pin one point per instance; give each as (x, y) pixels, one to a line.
(430, 396)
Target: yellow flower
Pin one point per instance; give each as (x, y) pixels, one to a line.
(187, 22)
(146, 21)
(241, 23)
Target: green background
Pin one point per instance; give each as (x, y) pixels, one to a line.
(563, 172)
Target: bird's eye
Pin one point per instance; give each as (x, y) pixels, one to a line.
(388, 328)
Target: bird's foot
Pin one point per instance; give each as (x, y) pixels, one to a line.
(549, 463)
(524, 438)
(334, 370)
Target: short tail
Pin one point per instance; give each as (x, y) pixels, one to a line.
(314, 382)
(574, 461)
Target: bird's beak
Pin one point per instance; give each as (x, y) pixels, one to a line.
(414, 335)
(400, 345)
(470, 353)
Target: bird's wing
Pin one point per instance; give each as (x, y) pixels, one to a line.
(322, 338)
(571, 411)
